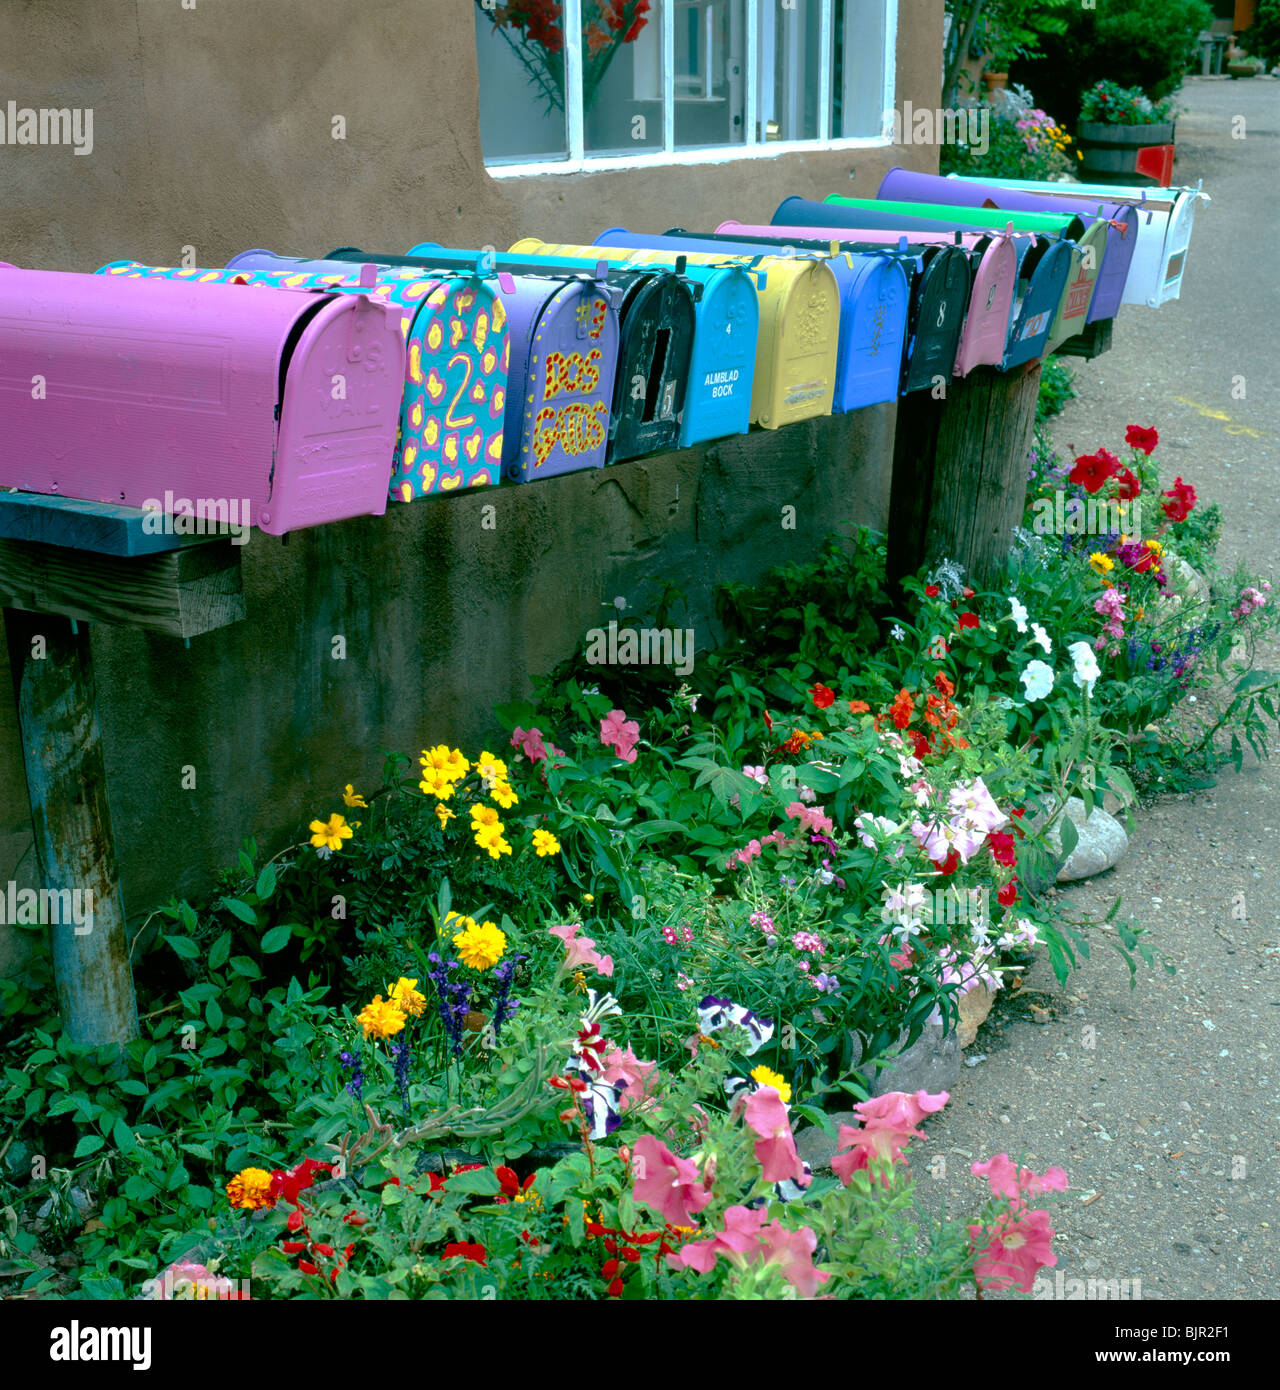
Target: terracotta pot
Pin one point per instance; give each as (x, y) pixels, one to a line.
(995, 81)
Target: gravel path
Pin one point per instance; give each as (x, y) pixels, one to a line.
(1163, 1103)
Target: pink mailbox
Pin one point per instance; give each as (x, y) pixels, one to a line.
(161, 391)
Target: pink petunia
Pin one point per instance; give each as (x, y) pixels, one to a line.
(581, 950)
(1016, 1248)
(1007, 1180)
(775, 1146)
(793, 1251)
(529, 742)
(888, 1123)
(626, 1066)
(621, 734)
(746, 1242)
(669, 1185)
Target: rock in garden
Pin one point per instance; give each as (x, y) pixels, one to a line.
(974, 1007)
(931, 1063)
(816, 1148)
(1102, 842)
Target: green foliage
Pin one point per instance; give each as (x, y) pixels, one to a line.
(1143, 43)
(1263, 35)
(1023, 142)
(1057, 387)
(1115, 105)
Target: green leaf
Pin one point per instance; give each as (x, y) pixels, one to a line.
(132, 1087)
(277, 938)
(123, 1136)
(241, 910)
(1070, 835)
(246, 966)
(177, 1178)
(89, 1144)
(219, 951)
(184, 947)
(266, 884)
(213, 1013)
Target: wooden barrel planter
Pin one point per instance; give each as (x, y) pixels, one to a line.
(1111, 151)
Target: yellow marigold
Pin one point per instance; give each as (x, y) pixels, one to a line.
(480, 946)
(545, 843)
(444, 815)
(492, 771)
(443, 767)
(1100, 563)
(353, 797)
(764, 1077)
(250, 1189)
(484, 816)
(491, 840)
(404, 994)
(380, 1019)
(331, 833)
(1155, 548)
(504, 795)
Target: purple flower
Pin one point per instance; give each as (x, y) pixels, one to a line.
(826, 984)
(351, 1062)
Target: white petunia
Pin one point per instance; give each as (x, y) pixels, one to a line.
(1019, 614)
(897, 632)
(1086, 665)
(1038, 679)
(1038, 634)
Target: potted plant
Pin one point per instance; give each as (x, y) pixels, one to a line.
(1115, 123)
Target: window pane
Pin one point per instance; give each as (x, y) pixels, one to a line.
(710, 72)
(789, 58)
(621, 76)
(857, 89)
(520, 47)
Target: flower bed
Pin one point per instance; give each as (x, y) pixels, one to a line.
(383, 1062)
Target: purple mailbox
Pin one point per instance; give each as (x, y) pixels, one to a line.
(902, 185)
(159, 393)
(564, 352)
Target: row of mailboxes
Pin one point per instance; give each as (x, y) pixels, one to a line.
(457, 347)
(1119, 234)
(1058, 258)
(1165, 218)
(139, 391)
(656, 315)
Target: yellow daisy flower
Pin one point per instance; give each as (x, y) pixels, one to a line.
(353, 797)
(1100, 563)
(504, 795)
(331, 833)
(764, 1077)
(545, 843)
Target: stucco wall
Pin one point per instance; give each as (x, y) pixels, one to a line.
(213, 129)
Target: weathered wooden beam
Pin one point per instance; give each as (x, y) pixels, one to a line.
(960, 472)
(71, 821)
(106, 527)
(180, 592)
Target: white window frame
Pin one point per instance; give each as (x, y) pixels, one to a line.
(752, 147)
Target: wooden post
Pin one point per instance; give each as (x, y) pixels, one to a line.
(66, 783)
(960, 473)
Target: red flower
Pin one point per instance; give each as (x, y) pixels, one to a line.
(1128, 486)
(943, 685)
(967, 592)
(295, 1221)
(823, 696)
(1182, 499)
(615, 1289)
(922, 745)
(931, 590)
(567, 1083)
(768, 721)
(511, 1184)
(858, 707)
(296, 1181)
(968, 620)
(1002, 848)
(465, 1250)
(1138, 437)
(293, 1247)
(948, 865)
(354, 1218)
(1008, 895)
(322, 1249)
(307, 1267)
(1092, 470)
(608, 1269)
(902, 709)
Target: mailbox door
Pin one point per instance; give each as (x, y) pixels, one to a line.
(939, 318)
(722, 372)
(656, 340)
(1176, 242)
(1077, 294)
(572, 361)
(722, 363)
(986, 325)
(1045, 271)
(873, 329)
